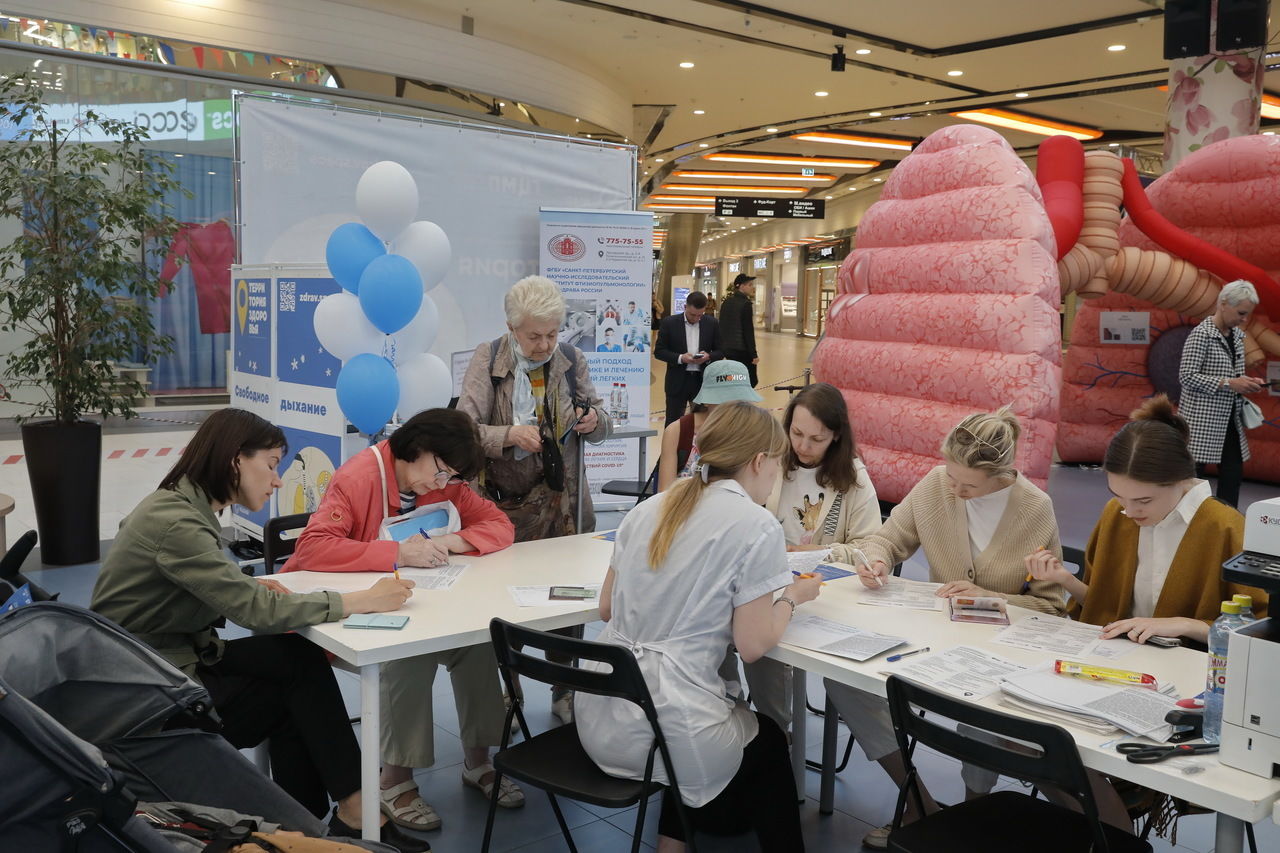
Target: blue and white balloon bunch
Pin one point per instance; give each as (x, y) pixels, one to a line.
(381, 324)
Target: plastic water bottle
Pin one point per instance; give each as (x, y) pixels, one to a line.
(1246, 607)
(1216, 683)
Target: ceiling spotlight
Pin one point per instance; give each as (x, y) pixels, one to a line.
(686, 64)
(658, 160)
(702, 145)
(1115, 48)
(699, 112)
(862, 51)
(770, 130)
(838, 58)
(1021, 94)
(875, 115)
(821, 94)
(829, 197)
(955, 73)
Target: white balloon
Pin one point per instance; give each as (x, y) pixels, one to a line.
(342, 328)
(416, 337)
(425, 383)
(426, 244)
(387, 199)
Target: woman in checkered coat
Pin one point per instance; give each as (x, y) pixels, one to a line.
(1213, 385)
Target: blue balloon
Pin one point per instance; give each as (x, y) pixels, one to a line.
(350, 249)
(368, 392)
(390, 292)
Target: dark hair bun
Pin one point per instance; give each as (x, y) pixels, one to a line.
(1161, 410)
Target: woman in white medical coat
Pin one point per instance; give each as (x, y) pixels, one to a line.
(695, 569)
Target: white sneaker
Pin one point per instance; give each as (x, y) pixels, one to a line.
(562, 708)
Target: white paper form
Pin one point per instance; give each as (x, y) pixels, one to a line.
(438, 579)
(900, 592)
(964, 671)
(806, 561)
(540, 596)
(835, 638)
(1051, 634)
(1133, 709)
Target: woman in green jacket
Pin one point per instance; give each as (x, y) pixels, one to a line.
(167, 580)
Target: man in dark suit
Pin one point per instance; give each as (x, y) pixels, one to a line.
(687, 342)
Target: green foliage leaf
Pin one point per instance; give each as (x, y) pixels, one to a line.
(77, 282)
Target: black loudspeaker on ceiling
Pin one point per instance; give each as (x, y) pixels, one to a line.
(1242, 24)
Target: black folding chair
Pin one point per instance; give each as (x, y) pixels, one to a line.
(638, 489)
(1042, 754)
(11, 567)
(1075, 557)
(276, 547)
(555, 760)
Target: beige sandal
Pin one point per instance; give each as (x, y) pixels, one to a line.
(416, 816)
(509, 794)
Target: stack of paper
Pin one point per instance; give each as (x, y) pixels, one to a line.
(900, 592)
(835, 638)
(1091, 704)
(963, 671)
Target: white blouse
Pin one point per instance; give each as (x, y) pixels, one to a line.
(1157, 546)
(678, 621)
(984, 514)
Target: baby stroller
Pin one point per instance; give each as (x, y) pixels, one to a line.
(91, 721)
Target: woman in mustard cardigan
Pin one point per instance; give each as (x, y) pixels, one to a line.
(1154, 562)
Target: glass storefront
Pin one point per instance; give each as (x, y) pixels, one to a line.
(822, 263)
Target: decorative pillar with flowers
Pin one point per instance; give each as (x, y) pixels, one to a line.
(1211, 98)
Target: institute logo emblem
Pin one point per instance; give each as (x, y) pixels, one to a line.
(566, 247)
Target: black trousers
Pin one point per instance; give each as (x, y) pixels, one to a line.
(678, 401)
(280, 687)
(761, 797)
(1231, 468)
(746, 358)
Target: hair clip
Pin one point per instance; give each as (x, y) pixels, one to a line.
(705, 472)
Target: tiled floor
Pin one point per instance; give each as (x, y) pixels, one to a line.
(864, 795)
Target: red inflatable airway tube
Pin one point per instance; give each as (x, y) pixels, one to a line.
(1060, 174)
(1179, 243)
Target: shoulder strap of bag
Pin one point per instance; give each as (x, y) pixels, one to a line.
(570, 375)
(382, 476)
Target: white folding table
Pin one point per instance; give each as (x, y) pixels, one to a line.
(459, 617)
(1236, 796)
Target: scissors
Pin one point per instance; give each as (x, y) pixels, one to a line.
(1145, 753)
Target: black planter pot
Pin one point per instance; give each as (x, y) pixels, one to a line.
(64, 463)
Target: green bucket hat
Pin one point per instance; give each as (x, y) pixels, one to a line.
(726, 381)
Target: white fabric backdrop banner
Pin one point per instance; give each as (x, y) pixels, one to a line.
(300, 165)
(602, 261)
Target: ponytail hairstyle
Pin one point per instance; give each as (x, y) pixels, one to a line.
(1154, 447)
(985, 442)
(729, 439)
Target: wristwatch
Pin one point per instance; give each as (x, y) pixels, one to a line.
(788, 600)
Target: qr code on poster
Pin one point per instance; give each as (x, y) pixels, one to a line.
(289, 296)
(1138, 336)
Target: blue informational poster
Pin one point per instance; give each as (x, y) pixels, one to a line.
(252, 304)
(307, 469)
(299, 357)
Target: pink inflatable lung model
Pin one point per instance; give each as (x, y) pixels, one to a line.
(1226, 196)
(948, 306)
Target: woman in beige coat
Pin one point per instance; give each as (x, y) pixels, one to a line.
(977, 519)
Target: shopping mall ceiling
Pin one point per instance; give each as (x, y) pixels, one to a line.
(712, 76)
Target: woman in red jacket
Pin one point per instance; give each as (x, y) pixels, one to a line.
(427, 460)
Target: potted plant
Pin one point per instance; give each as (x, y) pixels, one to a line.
(75, 290)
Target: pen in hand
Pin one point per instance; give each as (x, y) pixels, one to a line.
(894, 658)
(395, 570)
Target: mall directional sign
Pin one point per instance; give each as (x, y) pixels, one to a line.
(776, 208)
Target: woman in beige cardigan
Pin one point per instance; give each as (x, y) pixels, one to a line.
(977, 518)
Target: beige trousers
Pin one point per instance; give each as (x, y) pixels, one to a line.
(408, 721)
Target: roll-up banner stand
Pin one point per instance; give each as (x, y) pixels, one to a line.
(280, 371)
(602, 261)
(298, 164)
